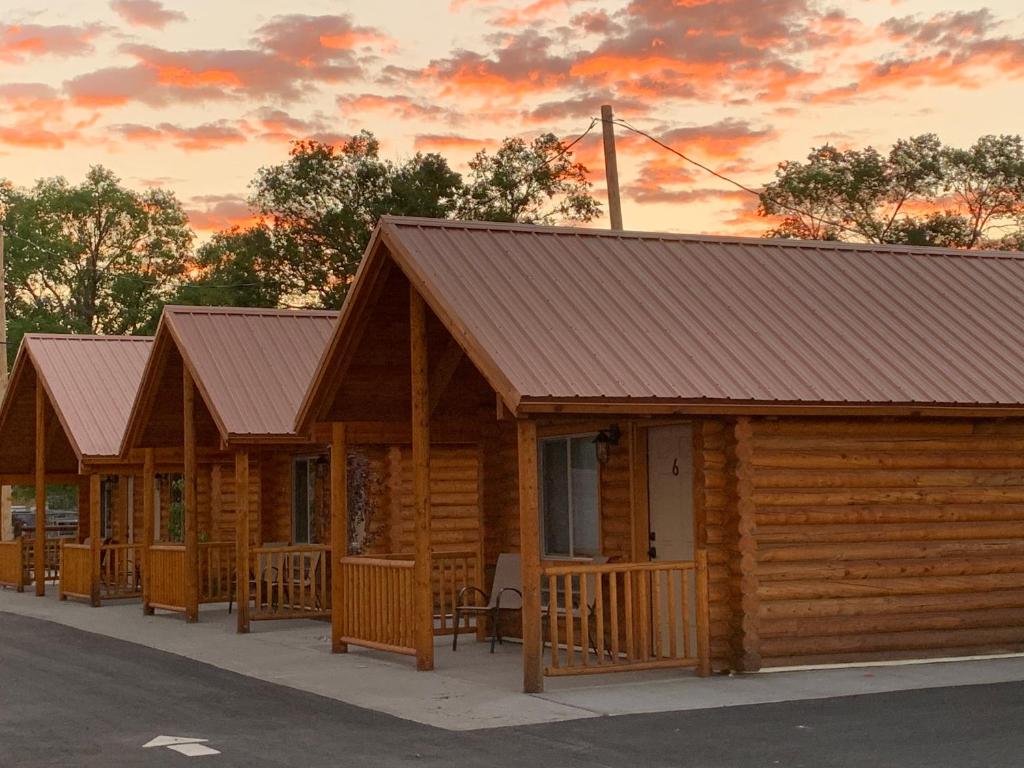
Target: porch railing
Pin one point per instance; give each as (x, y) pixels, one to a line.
(378, 606)
(452, 572)
(166, 563)
(626, 616)
(12, 554)
(291, 582)
(76, 571)
(120, 571)
(51, 559)
(216, 571)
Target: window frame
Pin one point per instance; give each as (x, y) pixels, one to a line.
(571, 555)
(108, 495)
(310, 477)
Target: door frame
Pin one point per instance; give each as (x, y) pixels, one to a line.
(639, 480)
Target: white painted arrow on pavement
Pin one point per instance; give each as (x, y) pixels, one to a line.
(184, 745)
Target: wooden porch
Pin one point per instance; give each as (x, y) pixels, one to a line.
(580, 615)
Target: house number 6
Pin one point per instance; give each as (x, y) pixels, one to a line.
(675, 467)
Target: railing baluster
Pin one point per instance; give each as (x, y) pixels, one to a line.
(673, 643)
(570, 629)
(627, 593)
(613, 613)
(599, 613)
(584, 612)
(553, 619)
(644, 605)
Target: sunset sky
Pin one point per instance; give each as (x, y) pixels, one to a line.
(198, 94)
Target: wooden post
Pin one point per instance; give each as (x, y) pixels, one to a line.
(339, 533)
(611, 167)
(40, 469)
(148, 509)
(703, 610)
(242, 539)
(190, 512)
(424, 601)
(529, 548)
(749, 657)
(95, 539)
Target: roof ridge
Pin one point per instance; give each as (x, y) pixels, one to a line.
(836, 245)
(86, 337)
(186, 309)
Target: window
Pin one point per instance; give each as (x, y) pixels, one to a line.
(108, 489)
(569, 486)
(303, 499)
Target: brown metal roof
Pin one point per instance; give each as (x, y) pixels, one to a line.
(91, 382)
(252, 366)
(572, 314)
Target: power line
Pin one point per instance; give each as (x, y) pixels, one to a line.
(737, 184)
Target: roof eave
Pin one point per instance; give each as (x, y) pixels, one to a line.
(537, 406)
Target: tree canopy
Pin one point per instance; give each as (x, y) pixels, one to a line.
(919, 193)
(94, 257)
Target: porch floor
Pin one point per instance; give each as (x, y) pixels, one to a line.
(472, 689)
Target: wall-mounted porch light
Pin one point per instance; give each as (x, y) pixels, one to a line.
(605, 439)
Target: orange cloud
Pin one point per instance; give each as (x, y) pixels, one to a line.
(396, 105)
(146, 13)
(443, 142)
(291, 55)
(199, 138)
(20, 42)
(38, 117)
(217, 212)
(534, 11)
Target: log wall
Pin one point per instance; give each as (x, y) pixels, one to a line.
(888, 539)
(455, 498)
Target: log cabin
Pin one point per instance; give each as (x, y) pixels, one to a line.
(708, 452)
(220, 392)
(61, 423)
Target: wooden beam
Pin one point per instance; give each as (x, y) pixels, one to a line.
(40, 480)
(95, 538)
(191, 498)
(501, 412)
(148, 511)
(424, 608)
(443, 371)
(242, 539)
(339, 532)
(749, 657)
(529, 547)
(639, 505)
(62, 478)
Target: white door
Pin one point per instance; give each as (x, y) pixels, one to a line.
(670, 492)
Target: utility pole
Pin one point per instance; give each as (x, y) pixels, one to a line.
(6, 523)
(611, 167)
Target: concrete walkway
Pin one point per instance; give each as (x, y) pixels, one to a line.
(472, 689)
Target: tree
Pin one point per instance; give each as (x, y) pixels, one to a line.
(91, 258)
(987, 180)
(235, 268)
(534, 183)
(920, 193)
(323, 202)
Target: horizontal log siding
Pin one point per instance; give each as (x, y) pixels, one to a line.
(454, 499)
(500, 464)
(887, 539)
(455, 495)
